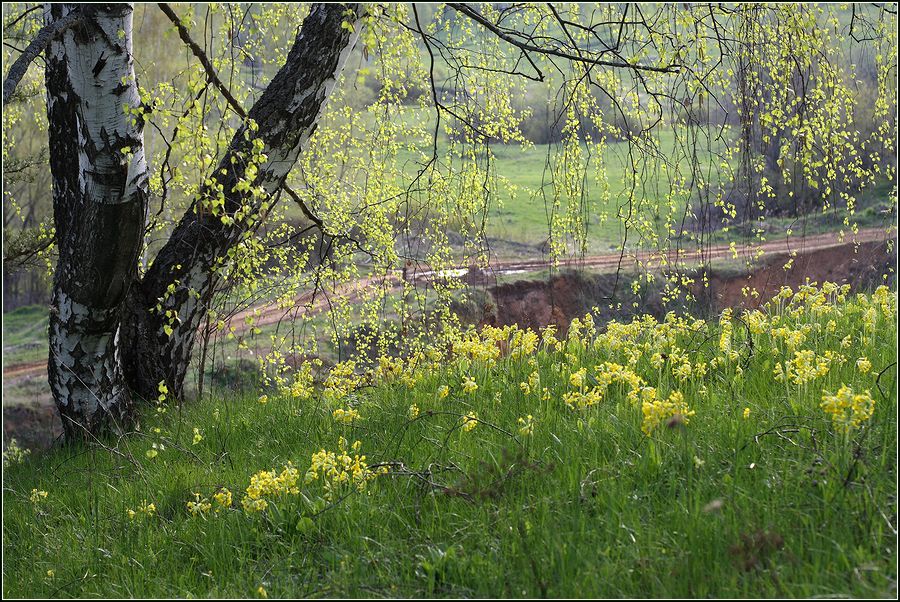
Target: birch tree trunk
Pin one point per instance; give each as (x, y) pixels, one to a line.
(111, 334)
(99, 203)
(167, 307)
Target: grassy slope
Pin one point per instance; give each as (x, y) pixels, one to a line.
(586, 506)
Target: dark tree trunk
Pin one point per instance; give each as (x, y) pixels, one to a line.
(99, 204)
(287, 114)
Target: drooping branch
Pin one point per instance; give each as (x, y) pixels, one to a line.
(38, 44)
(504, 35)
(211, 74)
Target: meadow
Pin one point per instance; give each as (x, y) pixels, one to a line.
(747, 454)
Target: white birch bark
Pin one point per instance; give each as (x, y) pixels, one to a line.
(100, 200)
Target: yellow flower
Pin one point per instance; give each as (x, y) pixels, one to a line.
(223, 499)
(197, 436)
(151, 453)
(13, 454)
(263, 399)
(657, 411)
(526, 428)
(470, 421)
(469, 385)
(863, 365)
(262, 592)
(163, 391)
(345, 416)
(37, 496)
(338, 469)
(50, 573)
(413, 411)
(848, 410)
(746, 413)
(576, 379)
(199, 506)
(443, 391)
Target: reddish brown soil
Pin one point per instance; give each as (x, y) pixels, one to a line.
(860, 267)
(33, 427)
(14, 373)
(535, 304)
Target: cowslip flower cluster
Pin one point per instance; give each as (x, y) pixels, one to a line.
(154, 450)
(337, 469)
(727, 331)
(223, 499)
(482, 347)
(802, 368)
(408, 372)
(302, 385)
(345, 416)
(580, 399)
(863, 365)
(341, 381)
(533, 382)
(199, 505)
(526, 426)
(576, 379)
(848, 410)
(523, 343)
(606, 374)
(469, 421)
(144, 510)
(268, 483)
(656, 411)
(38, 496)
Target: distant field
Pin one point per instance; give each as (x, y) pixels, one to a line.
(24, 334)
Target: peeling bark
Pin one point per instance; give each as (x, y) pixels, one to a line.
(287, 114)
(100, 188)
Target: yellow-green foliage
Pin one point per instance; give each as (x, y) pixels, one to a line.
(396, 179)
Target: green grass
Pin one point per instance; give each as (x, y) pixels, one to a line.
(586, 506)
(25, 334)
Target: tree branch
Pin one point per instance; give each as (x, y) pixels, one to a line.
(213, 77)
(524, 46)
(37, 45)
(204, 60)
